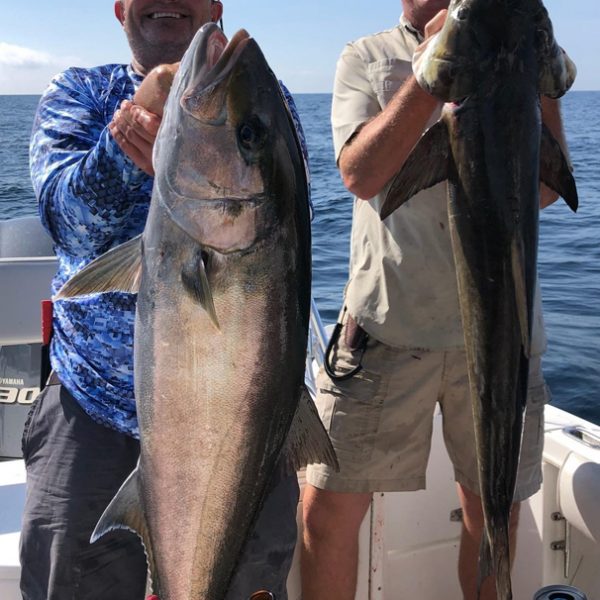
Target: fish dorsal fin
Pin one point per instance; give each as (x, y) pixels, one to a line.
(117, 270)
(125, 511)
(520, 283)
(195, 281)
(555, 171)
(425, 166)
(307, 442)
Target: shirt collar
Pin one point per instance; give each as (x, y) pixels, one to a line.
(404, 23)
(135, 77)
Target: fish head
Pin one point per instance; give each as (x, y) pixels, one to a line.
(227, 155)
(484, 42)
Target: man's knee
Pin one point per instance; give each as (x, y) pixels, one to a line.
(473, 511)
(327, 513)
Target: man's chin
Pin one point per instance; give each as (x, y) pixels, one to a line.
(159, 48)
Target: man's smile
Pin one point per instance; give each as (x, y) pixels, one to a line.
(166, 15)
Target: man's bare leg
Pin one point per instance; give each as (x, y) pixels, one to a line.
(329, 558)
(470, 540)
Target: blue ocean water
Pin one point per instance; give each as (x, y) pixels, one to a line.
(569, 256)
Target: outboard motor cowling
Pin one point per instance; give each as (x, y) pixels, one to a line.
(27, 265)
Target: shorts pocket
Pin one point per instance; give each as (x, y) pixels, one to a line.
(351, 412)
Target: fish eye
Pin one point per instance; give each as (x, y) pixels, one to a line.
(251, 133)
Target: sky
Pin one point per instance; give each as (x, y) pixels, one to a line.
(301, 40)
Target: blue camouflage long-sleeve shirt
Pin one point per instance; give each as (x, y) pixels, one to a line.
(91, 198)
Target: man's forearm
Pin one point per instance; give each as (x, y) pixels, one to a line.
(379, 149)
(85, 201)
(552, 119)
(85, 185)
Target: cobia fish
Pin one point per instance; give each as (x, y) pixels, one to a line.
(223, 275)
(490, 62)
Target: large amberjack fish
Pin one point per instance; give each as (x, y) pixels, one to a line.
(490, 63)
(223, 275)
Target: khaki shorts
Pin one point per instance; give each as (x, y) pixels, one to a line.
(380, 421)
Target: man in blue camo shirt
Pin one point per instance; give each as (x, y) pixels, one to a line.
(91, 166)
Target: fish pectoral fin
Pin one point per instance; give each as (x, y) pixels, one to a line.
(125, 512)
(425, 166)
(195, 281)
(117, 270)
(308, 442)
(520, 285)
(555, 171)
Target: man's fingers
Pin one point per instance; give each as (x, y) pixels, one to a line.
(132, 135)
(146, 120)
(138, 150)
(436, 23)
(135, 118)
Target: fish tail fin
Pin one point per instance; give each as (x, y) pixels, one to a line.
(117, 270)
(425, 166)
(502, 565)
(308, 441)
(497, 564)
(485, 562)
(503, 585)
(125, 512)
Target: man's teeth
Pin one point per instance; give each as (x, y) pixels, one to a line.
(166, 15)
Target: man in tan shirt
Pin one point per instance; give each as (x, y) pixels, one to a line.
(401, 329)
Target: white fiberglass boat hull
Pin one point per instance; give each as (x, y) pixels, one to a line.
(409, 541)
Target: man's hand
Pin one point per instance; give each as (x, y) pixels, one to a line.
(435, 25)
(134, 129)
(135, 124)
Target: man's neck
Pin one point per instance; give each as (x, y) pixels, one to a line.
(406, 23)
(139, 68)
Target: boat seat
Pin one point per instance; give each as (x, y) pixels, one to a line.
(27, 265)
(579, 490)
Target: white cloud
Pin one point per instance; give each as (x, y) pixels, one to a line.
(18, 56)
(28, 71)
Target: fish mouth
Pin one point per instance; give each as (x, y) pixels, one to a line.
(213, 60)
(202, 95)
(215, 56)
